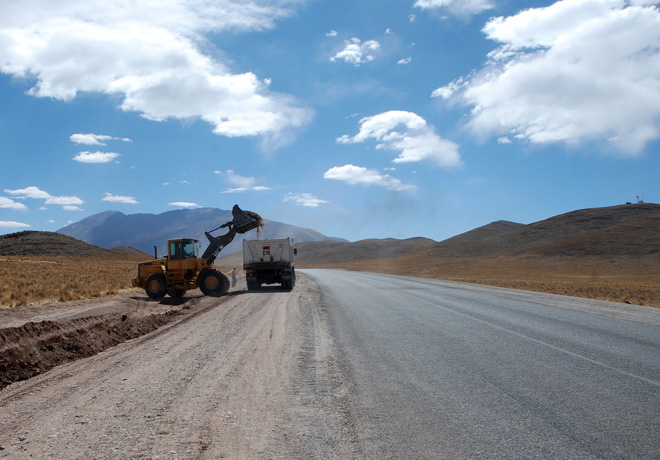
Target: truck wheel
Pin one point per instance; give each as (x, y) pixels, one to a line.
(156, 285)
(212, 282)
(176, 293)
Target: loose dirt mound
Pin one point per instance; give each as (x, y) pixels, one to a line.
(33, 348)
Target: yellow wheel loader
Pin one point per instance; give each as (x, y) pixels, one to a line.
(182, 269)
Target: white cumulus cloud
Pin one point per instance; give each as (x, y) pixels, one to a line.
(68, 203)
(11, 224)
(240, 183)
(95, 157)
(151, 55)
(29, 192)
(572, 72)
(457, 7)
(304, 199)
(355, 52)
(119, 199)
(360, 175)
(408, 134)
(184, 204)
(10, 204)
(94, 139)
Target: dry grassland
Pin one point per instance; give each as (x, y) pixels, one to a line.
(614, 280)
(37, 279)
(42, 279)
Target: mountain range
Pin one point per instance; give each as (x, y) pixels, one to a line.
(630, 232)
(144, 231)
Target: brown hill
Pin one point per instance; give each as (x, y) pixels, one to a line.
(480, 241)
(384, 250)
(311, 252)
(338, 253)
(627, 230)
(50, 243)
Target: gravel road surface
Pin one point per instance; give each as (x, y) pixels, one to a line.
(247, 375)
(448, 370)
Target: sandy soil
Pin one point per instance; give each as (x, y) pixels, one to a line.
(246, 375)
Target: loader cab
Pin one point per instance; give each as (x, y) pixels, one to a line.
(182, 248)
(182, 254)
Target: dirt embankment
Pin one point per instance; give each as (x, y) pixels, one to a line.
(34, 339)
(246, 375)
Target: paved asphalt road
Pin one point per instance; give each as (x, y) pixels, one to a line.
(446, 370)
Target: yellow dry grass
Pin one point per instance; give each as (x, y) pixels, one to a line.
(616, 280)
(37, 279)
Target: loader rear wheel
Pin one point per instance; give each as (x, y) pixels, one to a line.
(156, 285)
(212, 282)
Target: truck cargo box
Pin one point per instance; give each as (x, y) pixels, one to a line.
(269, 262)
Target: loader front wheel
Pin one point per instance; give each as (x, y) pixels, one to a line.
(212, 282)
(156, 285)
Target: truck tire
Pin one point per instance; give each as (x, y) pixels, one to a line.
(156, 285)
(252, 285)
(212, 282)
(288, 284)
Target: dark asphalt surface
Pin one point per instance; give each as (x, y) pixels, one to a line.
(444, 370)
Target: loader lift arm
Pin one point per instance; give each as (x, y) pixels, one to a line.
(243, 221)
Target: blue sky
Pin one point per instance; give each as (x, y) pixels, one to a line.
(359, 119)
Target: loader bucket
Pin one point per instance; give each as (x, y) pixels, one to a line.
(244, 221)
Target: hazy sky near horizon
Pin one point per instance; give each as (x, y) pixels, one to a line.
(358, 119)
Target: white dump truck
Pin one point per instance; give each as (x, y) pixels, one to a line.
(269, 262)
